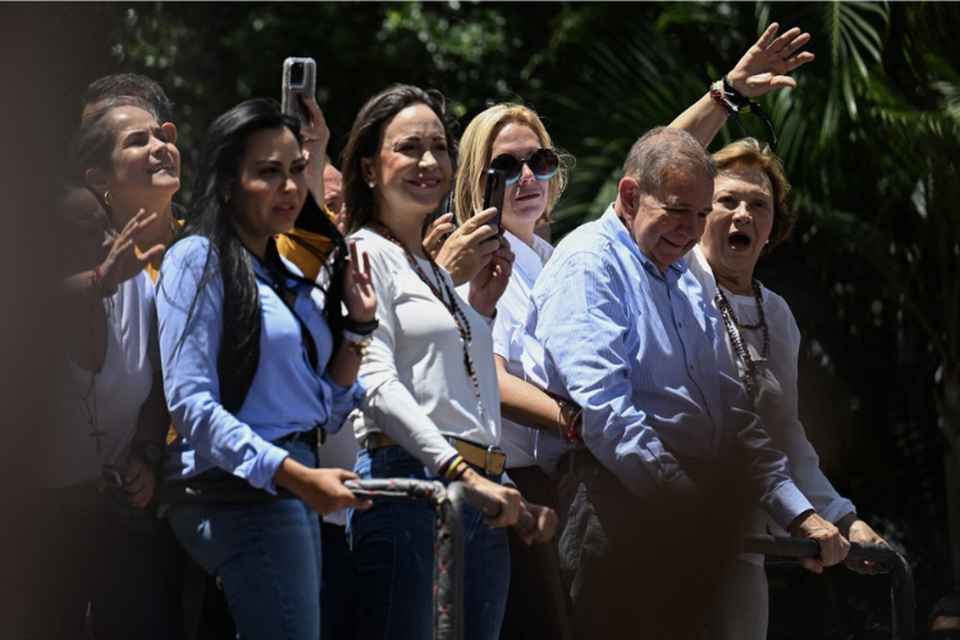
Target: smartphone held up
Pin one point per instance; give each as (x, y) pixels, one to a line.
(299, 79)
(493, 195)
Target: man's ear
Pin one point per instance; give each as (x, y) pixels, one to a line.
(171, 130)
(628, 197)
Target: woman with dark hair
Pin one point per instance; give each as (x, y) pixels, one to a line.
(110, 566)
(130, 162)
(432, 410)
(236, 318)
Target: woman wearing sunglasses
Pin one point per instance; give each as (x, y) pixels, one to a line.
(512, 138)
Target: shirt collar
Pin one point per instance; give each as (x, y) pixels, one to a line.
(261, 272)
(526, 258)
(619, 233)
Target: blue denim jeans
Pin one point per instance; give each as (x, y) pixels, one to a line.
(267, 555)
(393, 544)
(339, 586)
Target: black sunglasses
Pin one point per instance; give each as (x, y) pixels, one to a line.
(544, 164)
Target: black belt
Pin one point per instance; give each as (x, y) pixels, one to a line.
(217, 485)
(204, 488)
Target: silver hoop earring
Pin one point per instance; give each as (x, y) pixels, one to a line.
(107, 198)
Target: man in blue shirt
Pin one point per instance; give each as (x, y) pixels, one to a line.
(670, 443)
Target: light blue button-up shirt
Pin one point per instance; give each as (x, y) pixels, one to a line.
(640, 352)
(287, 394)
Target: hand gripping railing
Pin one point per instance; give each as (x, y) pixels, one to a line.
(902, 593)
(447, 503)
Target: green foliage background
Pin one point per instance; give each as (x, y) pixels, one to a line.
(871, 140)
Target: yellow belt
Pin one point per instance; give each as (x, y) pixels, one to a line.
(491, 459)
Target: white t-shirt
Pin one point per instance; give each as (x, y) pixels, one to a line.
(109, 400)
(418, 388)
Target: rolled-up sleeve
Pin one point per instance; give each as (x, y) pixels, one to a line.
(345, 400)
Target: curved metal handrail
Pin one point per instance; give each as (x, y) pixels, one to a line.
(447, 502)
(902, 590)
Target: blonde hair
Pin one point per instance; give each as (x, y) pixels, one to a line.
(476, 145)
(752, 153)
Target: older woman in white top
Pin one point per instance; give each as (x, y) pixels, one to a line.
(749, 218)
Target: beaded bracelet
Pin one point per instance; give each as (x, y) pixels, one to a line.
(357, 342)
(96, 281)
(351, 336)
(718, 95)
(568, 434)
(449, 469)
(734, 103)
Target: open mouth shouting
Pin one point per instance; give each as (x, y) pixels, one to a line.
(740, 241)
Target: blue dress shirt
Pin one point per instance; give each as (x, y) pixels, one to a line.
(641, 353)
(287, 394)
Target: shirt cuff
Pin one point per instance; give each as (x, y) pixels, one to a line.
(262, 473)
(345, 400)
(785, 503)
(489, 320)
(836, 510)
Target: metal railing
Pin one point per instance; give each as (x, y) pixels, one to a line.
(447, 503)
(902, 592)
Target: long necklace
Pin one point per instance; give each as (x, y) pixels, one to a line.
(90, 414)
(447, 298)
(752, 369)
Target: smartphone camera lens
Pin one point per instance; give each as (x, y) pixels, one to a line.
(296, 74)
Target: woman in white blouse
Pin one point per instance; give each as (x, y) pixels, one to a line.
(749, 218)
(432, 409)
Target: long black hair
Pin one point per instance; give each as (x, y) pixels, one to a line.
(211, 216)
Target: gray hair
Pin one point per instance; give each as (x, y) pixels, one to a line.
(662, 151)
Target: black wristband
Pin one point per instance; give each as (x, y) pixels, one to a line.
(363, 328)
(733, 95)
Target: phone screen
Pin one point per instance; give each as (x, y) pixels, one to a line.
(493, 195)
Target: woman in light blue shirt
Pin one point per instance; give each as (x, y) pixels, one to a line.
(256, 359)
